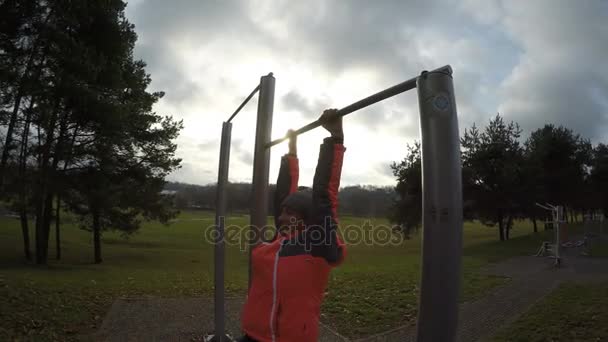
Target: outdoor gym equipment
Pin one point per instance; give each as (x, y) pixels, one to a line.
(442, 196)
(594, 224)
(547, 248)
(593, 229)
(219, 334)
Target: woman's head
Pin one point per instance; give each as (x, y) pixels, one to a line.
(296, 210)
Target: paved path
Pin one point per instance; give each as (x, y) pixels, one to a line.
(177, 319)
(531, 279)
(189, 319)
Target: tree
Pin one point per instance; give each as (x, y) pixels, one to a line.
(558, 161)
(407, 209)
(23, 27)
(366, 200)
(492, 159)
(533, 185)
(22, 56)
(119, 170)
(69, 77)
(599, 178)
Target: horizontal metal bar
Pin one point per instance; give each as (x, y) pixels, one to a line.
(244, 103)
(546, 206)
(370, 100)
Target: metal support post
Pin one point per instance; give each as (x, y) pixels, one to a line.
(442, 207)
(220, 219)
(261, 162)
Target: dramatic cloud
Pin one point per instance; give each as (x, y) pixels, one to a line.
(535, 63)
(561, 76)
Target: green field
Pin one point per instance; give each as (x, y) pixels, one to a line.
(573, 312)
(599, 249)
(374, 290)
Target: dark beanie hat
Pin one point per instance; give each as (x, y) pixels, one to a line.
(300, 202)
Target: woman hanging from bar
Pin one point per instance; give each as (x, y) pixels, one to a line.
(290, 273)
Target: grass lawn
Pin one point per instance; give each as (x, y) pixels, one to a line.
(375, 290)
(599, 249)
(573, 312)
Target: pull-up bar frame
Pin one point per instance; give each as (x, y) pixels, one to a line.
(219, 334)
(442, 194)
(368, 101)
(244, 103)
(442, 191)
(556, 215)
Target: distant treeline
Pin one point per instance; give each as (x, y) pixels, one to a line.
(505, 175)
(357, 200)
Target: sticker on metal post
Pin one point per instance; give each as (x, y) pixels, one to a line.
(441, 102)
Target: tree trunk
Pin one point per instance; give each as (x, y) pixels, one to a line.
(57, 232)
(41, 239)
(509, 226)
(40, 256)
(48, 169)
(534, 223)
(501, 229)
(42, 198)
(59, 152)
(46, 221)
(25, 230)
(96, 237)
(573, 215)
(23, 183)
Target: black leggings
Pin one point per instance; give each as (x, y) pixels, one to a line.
(246, 339)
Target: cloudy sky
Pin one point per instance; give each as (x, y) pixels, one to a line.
(535, 62)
